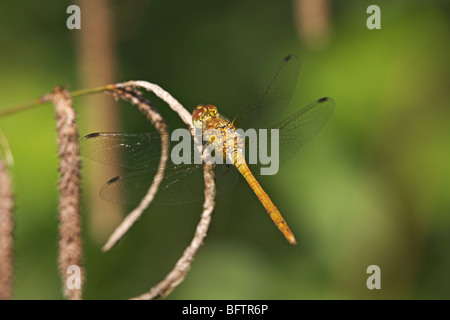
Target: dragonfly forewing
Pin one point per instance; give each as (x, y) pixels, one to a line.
(127, 150)
(272, 100)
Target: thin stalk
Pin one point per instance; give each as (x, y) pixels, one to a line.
(46, 99)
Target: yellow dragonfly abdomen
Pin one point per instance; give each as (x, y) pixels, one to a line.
(220, 132)
(263, 197)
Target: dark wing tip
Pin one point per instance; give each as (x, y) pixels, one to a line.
(327, 100)
(113, 180)
(287, 58)
(91, 135)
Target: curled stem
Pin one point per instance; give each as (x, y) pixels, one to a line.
(161, 126)
(176, 276)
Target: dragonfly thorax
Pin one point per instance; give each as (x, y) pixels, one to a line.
(218, 132)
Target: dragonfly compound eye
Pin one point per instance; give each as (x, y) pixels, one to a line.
(211, 110)
(197, 116)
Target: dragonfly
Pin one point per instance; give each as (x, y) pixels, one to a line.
(183, 183)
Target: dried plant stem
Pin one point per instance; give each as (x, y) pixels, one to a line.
(125, 90)
(163, 95)
(70, 242)
(48, 98)
(6, 233)
(176, 276)
(161, 126)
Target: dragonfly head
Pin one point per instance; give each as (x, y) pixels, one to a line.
(202, 114)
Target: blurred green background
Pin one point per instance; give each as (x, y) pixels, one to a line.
(371, 188)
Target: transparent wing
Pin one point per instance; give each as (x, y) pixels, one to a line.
(297, 130)
(128, 150)
(264, 109)
(181, 184)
